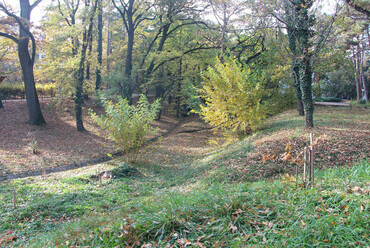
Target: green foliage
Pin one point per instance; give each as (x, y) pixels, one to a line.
(46, 90)
(117, 82)
(233, 98)
(8, 91)
(12, 90)
(328, 99)
(192, 99)
(127, 126)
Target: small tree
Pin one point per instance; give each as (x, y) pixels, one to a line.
(233, 98)
(126, 125)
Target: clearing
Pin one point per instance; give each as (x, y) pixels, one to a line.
(185, 191)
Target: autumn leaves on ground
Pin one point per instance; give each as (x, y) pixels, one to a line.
(189, 188)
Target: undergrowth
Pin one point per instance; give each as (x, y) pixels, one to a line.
(120, 213)
(217, 199)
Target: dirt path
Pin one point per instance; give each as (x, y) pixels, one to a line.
(104, 158)
(59, 146)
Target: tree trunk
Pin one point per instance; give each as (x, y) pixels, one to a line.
(305, 69)
(80, 73)
(159, 49)
(297, 87)
(1, 102)
(362, 73)
(356, 63)
(35, 116)
(100, 47)
(128, 66)
(305, 74)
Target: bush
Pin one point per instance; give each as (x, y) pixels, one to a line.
(8, 91)
(328, 99)
(127, 126)
(233, 98)
(362, 101)
(46, 90)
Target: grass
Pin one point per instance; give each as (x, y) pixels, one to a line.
(196, 199)
(130, 211)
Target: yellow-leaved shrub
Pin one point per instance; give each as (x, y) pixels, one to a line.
(232, 98)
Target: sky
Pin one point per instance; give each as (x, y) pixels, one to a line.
(39, 11)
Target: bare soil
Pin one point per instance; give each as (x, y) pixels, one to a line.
(57, 144)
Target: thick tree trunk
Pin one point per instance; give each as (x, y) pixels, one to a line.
(305, 69)
(356, 63)
(128, 66)
(362, 74)
(306, 89)
(87, 34)
(298, 90)
(35, 116)
(159, 49)
(100, 47)
(1, 102)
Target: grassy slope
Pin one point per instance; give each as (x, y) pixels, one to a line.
(204, 200)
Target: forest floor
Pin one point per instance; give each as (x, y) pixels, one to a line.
(25, 150)
(342, 135)
(192, 189)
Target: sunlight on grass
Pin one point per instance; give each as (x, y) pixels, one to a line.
(202, 200)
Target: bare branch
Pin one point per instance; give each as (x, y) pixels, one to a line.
(35, 4)
(358, 8)
(9, 37)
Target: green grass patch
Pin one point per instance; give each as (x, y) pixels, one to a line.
(219, 198)
(335, 212)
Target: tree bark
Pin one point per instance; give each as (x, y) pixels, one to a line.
(128, 66)
(100, 47)
(362, 73)
(80, 73)
(1, 102)
(294, 54)
(35, 116)
(356, 63)
(305, 69)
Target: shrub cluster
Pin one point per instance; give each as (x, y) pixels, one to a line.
(9, 91)
(327, 99)
(233, 97)
(127, 125)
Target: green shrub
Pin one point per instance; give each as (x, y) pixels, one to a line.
(327, 99)
(11, 90)
(127, 126)
(40, 90)
(233, 98)
(362, 101)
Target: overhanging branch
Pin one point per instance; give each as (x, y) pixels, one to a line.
(9, 37)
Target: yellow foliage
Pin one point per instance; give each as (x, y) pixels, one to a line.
(233, 98)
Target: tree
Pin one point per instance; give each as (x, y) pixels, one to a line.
(358, 42)
(100, 46)
(133, 12)
(227, 14)
(1, 102)
(305, 40)
(71, 23)
(26, 58)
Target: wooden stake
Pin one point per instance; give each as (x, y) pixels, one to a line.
(14, 197)
(296, 176)
(305, 165)
(311, 158)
